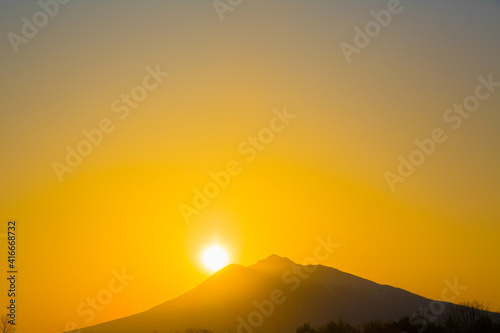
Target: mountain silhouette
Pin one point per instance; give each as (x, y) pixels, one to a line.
(272, 295)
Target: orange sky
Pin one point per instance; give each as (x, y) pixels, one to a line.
(320, 172)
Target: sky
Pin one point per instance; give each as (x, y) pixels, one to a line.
(309, 124)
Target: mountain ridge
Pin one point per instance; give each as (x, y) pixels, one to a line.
(273, 295)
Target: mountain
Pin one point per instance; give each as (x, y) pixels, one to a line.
(273, 295)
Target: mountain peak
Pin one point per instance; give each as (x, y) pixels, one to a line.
(278, 259)
(272, 264)
(236, 293)
(228, 273)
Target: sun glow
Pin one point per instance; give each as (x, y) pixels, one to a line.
(214, 258)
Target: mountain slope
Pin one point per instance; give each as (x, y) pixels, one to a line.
(273, 295)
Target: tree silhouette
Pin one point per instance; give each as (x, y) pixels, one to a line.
(470, 317)
(337, 327)
(5, 326)
(306, 328)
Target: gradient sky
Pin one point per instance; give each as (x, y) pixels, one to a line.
(323, 175)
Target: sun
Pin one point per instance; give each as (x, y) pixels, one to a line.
(214, 258)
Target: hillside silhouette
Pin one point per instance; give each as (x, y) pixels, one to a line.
(275, 295)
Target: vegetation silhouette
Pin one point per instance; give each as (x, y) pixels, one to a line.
(6, 326)
(469, 317)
